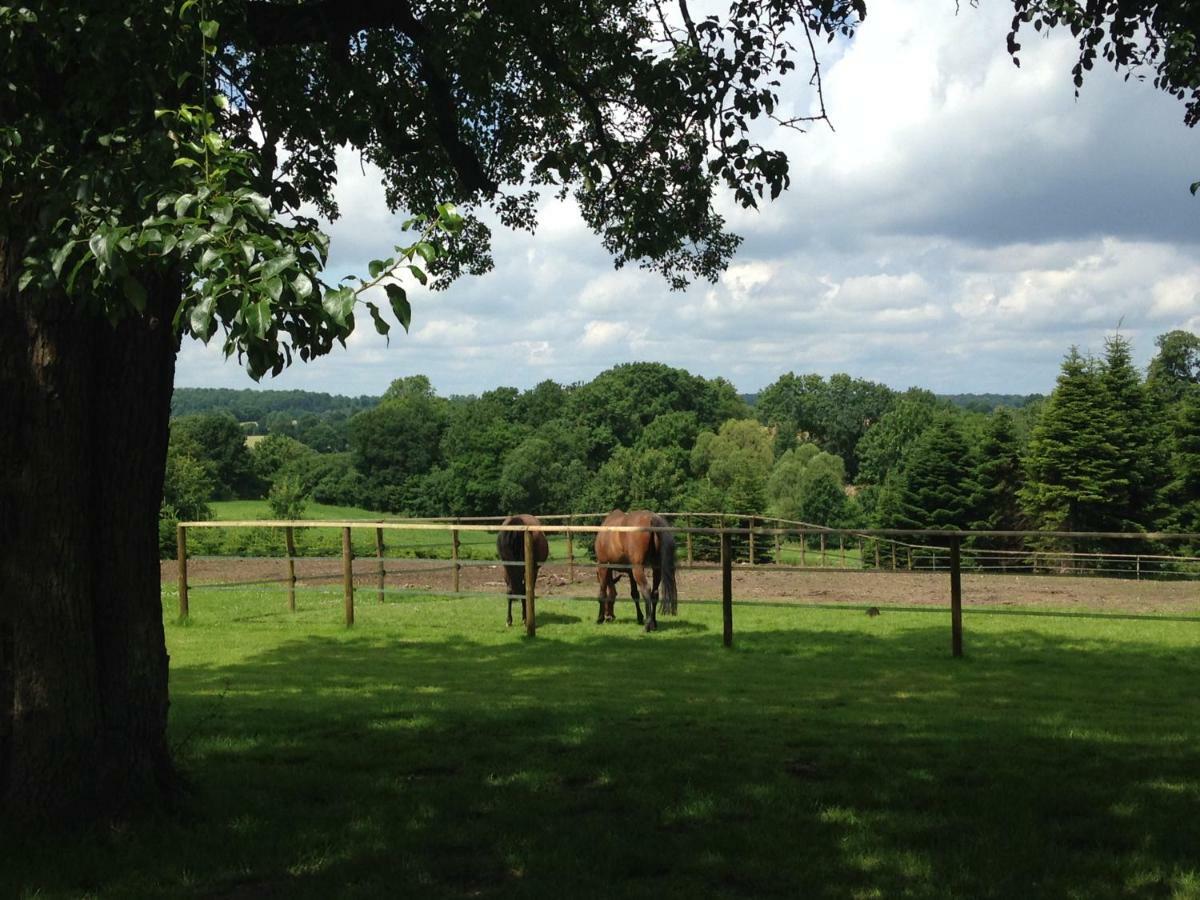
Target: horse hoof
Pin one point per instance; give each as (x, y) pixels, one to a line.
(651, 626)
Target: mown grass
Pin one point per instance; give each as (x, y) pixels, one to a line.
(430, 751)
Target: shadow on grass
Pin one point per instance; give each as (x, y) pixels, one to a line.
(832, 762)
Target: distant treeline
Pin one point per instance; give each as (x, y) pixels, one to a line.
(1110, 449)
(252, 406)
(249, 405)
(988, 402)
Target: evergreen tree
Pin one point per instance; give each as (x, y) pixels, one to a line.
(1183, 492)
(1072, 467)
(936, 488)
(1137, 434)
(998, 476)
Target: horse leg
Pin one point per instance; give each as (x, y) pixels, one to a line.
(633, 593)
(508, 593)
(602, 577)
(639, 572)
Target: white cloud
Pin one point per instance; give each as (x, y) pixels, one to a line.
(965, 224)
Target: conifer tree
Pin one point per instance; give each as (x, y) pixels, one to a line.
(998, 478)
(1137, 434)
(1183, 492)
(1072, 467)
(937, 488)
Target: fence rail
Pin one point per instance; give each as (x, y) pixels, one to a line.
(915, 556)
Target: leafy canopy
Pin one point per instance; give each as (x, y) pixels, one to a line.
(183, 149)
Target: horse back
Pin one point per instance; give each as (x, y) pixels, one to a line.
(511, 544)
(633, 547)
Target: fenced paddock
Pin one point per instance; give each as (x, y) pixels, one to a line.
(720, 558)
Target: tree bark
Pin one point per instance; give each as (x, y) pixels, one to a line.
(83, 664)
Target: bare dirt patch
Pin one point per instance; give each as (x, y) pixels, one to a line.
(851, 587)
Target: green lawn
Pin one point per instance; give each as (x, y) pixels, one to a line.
(429, 751)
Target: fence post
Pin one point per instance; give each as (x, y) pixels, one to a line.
(910, 559)
(876, 543)
(530, 625)
(454, 556)
(842, 550)
(778, 557)
(348, 575)
(181, 552)
(752, 540)
(1138, 561)
(727, 587)
(955, 598)
(379, 556)
(289, 538)
(803, 548)
(689, 541)
(570, 552)
(893, 556)
(822, 549)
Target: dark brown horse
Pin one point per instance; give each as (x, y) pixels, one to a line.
(510, 545)
(636, 549)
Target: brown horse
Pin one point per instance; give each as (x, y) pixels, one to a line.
(636, 549)
(510, 545)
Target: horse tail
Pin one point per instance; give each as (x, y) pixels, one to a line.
(666, 562)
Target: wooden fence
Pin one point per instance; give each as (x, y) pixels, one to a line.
(948, 541)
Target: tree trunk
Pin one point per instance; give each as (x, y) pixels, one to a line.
(83, 664)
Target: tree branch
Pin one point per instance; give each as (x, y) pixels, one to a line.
(327, 21)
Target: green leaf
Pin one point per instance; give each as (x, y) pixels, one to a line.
(26, 277)
(419, 274)
(273, 267)
(338, 304)
(260, 203)
(182, 203)
(135, 293)
(101, 244)
(248, 252)
(209, 28)
(381, 324)
(375, 266)
(302, 286)
(400, 306)
(273, 288)
(184, 161)
(427, 251)
(257, 317)
(201, 318)
(60, 258)
(208, 257)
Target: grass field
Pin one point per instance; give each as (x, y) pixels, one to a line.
(431, 752)
(328, 541)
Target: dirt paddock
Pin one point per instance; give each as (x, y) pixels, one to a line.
(825, 586)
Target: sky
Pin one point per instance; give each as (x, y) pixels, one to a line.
(964, 224)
